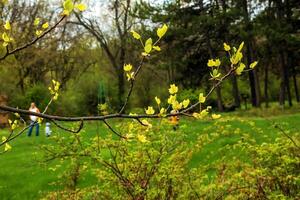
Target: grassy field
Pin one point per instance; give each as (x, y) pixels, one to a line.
(22, 176)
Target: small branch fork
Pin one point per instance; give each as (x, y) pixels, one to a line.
(33, 41)
(132, 85)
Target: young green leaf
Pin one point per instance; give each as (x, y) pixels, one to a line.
(81, 7)
(202, 98)
(45, 25)
(157, 48)
(253, 65)
(148, 46)
(241, 47)
(162, 31)
(135, 35)
(68, 6)
(7, 25)
(36, 21)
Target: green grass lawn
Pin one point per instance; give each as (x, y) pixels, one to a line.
(22, 176)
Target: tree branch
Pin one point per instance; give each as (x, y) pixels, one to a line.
(33, 41)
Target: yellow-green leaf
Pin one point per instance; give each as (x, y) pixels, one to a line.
(7, 147)
(162, 31)
(45, 25)
(7, 25)
(142, 138)
(226, 47)
(68, 5)
(241, 47)
(135, 35)
(36, 21)
(127, 67)
(202, 98)
(173, 89)
(81, 7)
(216, 116)
(5, 37)
(215, 74)
(157, 48)
(186, 103)
(211, 63)
(148, 46)
(149, 110)
(240, 69)
(38, 32)
(217, 62)
(253, 65)
(157, 100)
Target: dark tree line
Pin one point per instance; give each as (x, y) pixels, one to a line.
(269, 28)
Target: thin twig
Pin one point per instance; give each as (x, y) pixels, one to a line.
(114, 131)
(33, 41)
(69, 130)
(132, 85)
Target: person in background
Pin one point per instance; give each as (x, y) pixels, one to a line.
(33, 120)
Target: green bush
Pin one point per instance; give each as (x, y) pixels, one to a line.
(156, 163)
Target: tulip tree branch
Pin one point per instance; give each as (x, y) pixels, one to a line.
(132, 84)
(111, 116)
(33, 41)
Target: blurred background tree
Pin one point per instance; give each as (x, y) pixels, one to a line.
(88, 52)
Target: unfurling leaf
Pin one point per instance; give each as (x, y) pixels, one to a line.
(173, 89)
(215, 116)
(176, 105)
(226, 47)
(162, 31)
(149, 110)
(81, 7)
(38, 32)
(7, 25)
(186, 103)
(142, 138)
(214, 63)
(7, 147)
(203, 113)
(135, 35)
(36, 21)
(5, 37)
(240, 47)
(68, 7)
(253, 65)
(240, 69)
(127, 68)
(215, 74)
(171, 99)
(157, 48)
(45, 25)
(157, 100)
(202, 98)
(148, 46)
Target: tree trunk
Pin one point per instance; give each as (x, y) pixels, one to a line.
(253, 80)
(266, 85)
(235, 91)
(295, 83)
(219, 99)
(286, 78)
(257, 88)
(234, 83)
(121, 88)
